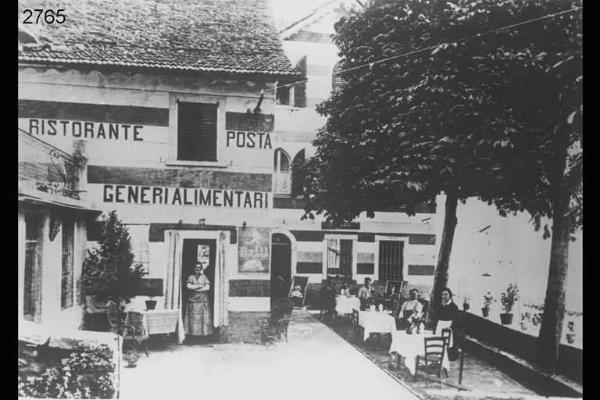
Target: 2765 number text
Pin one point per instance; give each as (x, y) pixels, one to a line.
(48, 16)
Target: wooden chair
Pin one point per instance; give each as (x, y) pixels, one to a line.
(117, 320)
(435, 351)
(356, 327)
(139, 335)
(447, 333)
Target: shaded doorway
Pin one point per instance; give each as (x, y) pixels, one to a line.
(281, 266)
(193, 250)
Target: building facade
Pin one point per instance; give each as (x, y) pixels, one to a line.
(53, 216)
(187, 142)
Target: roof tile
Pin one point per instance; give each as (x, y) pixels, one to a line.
(234, 36)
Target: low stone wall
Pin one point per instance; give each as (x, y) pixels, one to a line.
(521, 344)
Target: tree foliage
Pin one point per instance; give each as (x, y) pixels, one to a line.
(449, 119)
(108, 270)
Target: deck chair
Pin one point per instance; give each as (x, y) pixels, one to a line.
(435, 351)
(301, 281)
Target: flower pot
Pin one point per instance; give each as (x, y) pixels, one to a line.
(485, 312)
(570, 338)
(150, 304)
(506, 318)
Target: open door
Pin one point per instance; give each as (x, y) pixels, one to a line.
(194, 250)
(281, 266)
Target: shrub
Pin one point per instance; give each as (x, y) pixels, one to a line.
(83, 375)
(108, 271)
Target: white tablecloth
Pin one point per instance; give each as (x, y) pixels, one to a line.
(161, 321)
(376, 321)
(411, 346)
(156, 322)
(345, 305)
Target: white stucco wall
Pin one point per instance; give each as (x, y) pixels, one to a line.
(510, 251)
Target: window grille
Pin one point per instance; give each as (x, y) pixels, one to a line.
(391, 260)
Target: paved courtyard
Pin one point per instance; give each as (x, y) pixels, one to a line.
(315, 363)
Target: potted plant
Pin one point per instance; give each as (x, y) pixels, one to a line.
(108, 271)
(525, 320)
(508, 300)
(151, 287)
(132, 358)
(466, 305)
(571, 332)
(487, 301)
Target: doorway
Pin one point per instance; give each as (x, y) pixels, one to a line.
(281, 266)
(192, 251)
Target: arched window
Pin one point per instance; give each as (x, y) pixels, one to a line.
(297, 174)
(281, 172)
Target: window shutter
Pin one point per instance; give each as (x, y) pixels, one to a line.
(197, 132)
(300, 88)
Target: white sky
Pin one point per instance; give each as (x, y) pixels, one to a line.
(288, 11)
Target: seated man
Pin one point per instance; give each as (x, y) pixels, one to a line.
(365, 294)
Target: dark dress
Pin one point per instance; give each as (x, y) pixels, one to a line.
(448, 312)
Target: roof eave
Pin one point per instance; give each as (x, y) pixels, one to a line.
(171, 68)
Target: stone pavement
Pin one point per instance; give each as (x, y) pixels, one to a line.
(316, 363)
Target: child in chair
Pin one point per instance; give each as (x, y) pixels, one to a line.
(297, 296)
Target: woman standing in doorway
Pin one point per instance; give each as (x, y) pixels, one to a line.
(198, 319)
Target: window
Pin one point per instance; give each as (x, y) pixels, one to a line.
(66, 288)
(281, 175)
(339, 257)
(196, 132)
(283, 95)
(297, 174)
(32, 288)
(391, 260)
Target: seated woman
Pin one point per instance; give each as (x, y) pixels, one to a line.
(411, 308)
(296, 296)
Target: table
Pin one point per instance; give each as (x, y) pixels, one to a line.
(411, 346)
(161, 321)
(376, 321)
(157, 322)
(345, 305)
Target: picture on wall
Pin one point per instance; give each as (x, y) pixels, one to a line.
(203, 253)
(254, 249)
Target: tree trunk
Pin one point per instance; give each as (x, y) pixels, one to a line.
(554, 305)
(440, 279)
